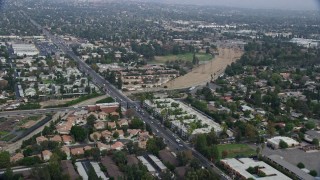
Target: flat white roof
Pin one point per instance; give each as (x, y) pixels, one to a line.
(277, 139)
(25, 49)
(81, 171)
(241, 165)
(98, 171)
(146, 163)
(158, 162)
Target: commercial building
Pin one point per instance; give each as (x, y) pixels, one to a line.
(238, 168)
(275, 141)
(294, 170)
(25, 49)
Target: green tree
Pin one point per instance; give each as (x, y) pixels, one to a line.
(78, 133)
(213, 153)
(201, 143)
(119, 110)
(271, 130)
(258, 150)
(300, 165)
(115, 135)
(310, 125)
(289, 127)
(91, 120)
(154, 145)
(200, 174)
(313, 173)
(283, 145)
(195, 164)
(119, 83)
(94, 153)
(4, 159)
(8, 174)
(119, 158)
(136, 123)
(251, 131)
(148, 128)
(40, 172)
(182, 159)
(315, 142)
(54, 167)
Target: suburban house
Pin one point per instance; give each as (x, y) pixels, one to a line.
(46, 155)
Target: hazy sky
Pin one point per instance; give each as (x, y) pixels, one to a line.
(261, 4)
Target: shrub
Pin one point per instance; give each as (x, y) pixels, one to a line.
(300, 165)
(313, 173)
(283, 145)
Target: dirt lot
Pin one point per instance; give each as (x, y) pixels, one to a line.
(202, 74)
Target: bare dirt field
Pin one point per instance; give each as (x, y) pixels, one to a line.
(202, 74)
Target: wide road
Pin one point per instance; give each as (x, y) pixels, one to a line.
(169, 138)
(39, 111)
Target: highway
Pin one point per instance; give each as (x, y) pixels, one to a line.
(169, 137)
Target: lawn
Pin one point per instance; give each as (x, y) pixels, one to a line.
(185, 57)
(236, 150)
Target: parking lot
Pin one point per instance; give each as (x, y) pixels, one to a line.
(311, 160)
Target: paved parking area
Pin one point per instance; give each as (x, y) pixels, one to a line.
(311, 160)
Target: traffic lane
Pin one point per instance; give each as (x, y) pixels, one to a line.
(199, 156)
(154, 127)
(163, 133)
